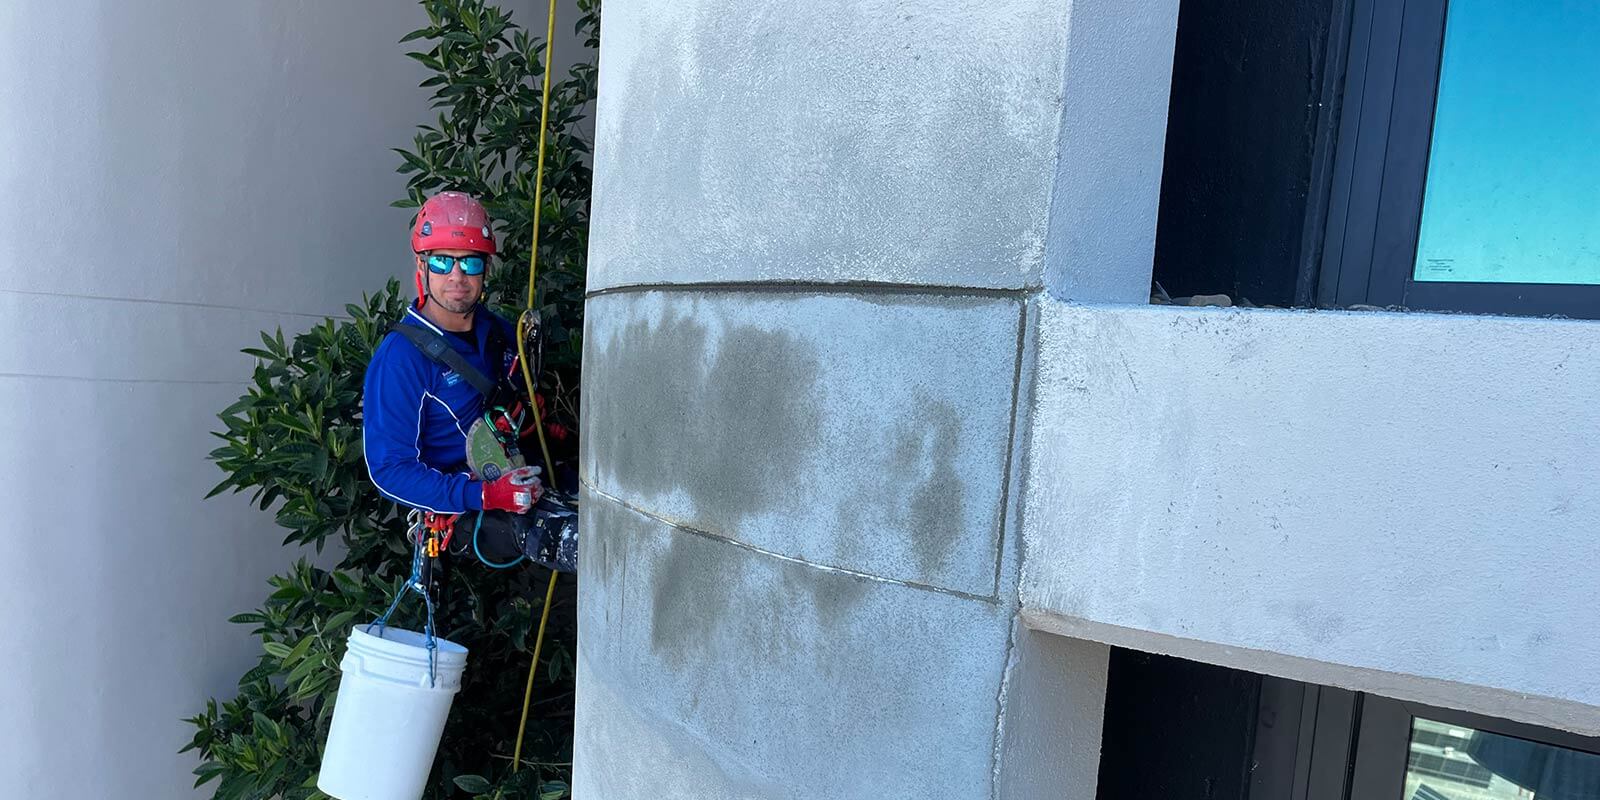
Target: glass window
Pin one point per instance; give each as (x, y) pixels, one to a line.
(1513, 183)
(1454, 762)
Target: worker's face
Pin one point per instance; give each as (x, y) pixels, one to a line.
(456, 292)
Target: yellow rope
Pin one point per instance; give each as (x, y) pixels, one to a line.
(527, 373)
(527, 691)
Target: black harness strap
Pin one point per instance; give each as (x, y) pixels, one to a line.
(438, 349)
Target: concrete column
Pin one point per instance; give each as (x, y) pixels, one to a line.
(820, 235)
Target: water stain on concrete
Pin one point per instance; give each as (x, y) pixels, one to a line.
(923, 470)
(691, 588)
(709, 595)
(727, 419)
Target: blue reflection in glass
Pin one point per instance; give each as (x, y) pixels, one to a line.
(1513, 191)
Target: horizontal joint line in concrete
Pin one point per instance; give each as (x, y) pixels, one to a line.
(88, 379)
(149, 301)
(781, 557)
(819, 287)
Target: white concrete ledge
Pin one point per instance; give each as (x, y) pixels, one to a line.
(1401, 503)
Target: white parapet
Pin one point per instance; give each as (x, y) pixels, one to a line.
(1407, 504)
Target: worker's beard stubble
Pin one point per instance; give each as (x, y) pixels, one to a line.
(454, 306)
(452, 294)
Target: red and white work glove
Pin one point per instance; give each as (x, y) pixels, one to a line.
(516, 491)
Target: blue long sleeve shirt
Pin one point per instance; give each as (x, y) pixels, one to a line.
(416, 413)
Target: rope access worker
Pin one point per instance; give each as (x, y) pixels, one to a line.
(443, 383)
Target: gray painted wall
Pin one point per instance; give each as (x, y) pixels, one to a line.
(177, 176)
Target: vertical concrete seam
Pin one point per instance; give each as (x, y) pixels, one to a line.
(997, 751)
(1011, 442)
(1019, 455)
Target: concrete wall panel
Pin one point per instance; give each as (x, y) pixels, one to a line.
(1401, 503)
(834, 141)
(863, 432)
(708, 670)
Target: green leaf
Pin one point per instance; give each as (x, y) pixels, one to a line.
(297, 676)
(263, 723)
(476, 784)
(338, 622)
(277, 650)
(300, 649)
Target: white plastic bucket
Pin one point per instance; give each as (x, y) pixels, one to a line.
(387, 720)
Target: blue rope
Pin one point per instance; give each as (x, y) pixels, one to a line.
(414, 582)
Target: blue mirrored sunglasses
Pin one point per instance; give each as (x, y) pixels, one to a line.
(470, 265)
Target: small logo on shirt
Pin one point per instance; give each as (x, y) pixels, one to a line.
(452, 378)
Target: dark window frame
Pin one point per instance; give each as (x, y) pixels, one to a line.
(1383, 744)
(1305, 741)
(1321, 743)
(1380, 171)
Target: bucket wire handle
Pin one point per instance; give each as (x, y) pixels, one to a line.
(417, 531)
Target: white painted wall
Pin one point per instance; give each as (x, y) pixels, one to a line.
(1406, 504)
(175, 175)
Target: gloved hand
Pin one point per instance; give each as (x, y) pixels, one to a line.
(516, 491)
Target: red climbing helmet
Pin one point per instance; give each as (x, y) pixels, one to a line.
(452, 221)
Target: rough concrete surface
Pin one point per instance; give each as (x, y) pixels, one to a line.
(708, 670)
(1397, 494)
(1054, 707)
(1117, 80)
(863, 432)
(834, 141)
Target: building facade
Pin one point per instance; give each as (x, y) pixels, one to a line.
(898, 484)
